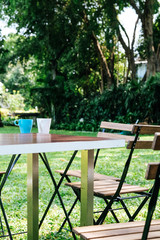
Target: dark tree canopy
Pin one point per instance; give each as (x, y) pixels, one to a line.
(75, 46)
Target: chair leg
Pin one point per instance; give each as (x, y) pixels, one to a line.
(11, 165)
(0, 216)
(9, 169)
(45, 161)
(5, 219)
(77, 193)
(95, 222)
(152, 204)
(69, 213)
(1, 225)
(125, 208)
(105, 212)
(140, 206)
(112, 212)
(57, 187)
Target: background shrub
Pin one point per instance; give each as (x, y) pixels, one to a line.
(125, 103)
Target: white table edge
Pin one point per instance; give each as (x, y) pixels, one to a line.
(60, 146)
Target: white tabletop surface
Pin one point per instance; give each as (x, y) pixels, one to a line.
(37, 142)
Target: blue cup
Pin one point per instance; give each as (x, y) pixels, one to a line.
(25, 125)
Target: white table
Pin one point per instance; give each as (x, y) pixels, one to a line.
(35, 143)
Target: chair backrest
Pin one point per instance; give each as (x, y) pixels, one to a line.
(138, 144)
(132, 140)
(124, 130)
(144, 129)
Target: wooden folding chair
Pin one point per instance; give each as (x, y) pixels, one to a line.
(140, 230)
(114, 191)
(115, 131)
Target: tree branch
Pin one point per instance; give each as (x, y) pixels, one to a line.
(125, 34)
(134, 32)
(133, 4)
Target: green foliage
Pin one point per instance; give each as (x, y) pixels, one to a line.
(156, 32)
(152, 98)
(59, 100)
(13, 101)
(60, 69)
(126, 103)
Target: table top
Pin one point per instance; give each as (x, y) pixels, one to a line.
(38, 142)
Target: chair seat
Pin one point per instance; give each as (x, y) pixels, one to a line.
(97, 176)
(119, 231)
(108, 187)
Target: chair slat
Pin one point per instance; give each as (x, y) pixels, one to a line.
(140, 145)
(108, 188)
(97, 176)
(151, 171)
(115, 136)
(134, 236)
(146, 129)
(156, 142)
(123, 191)
(73, 173)
(112, 226)
(117, 126)
(119, 232)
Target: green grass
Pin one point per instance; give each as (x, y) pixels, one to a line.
(15, 129)
(111, 162)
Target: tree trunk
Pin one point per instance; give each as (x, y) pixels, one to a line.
(158, 59)
(105, 72)
(128, 48)
(104, 69)
(147, 26)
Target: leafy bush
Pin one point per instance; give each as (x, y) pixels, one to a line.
(152, 98)
(125, 104)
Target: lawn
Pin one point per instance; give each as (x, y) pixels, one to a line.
(111, 162)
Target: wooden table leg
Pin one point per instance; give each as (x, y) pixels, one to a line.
(32, 197)
(87, 175)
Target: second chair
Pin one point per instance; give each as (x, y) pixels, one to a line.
(115, 191)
